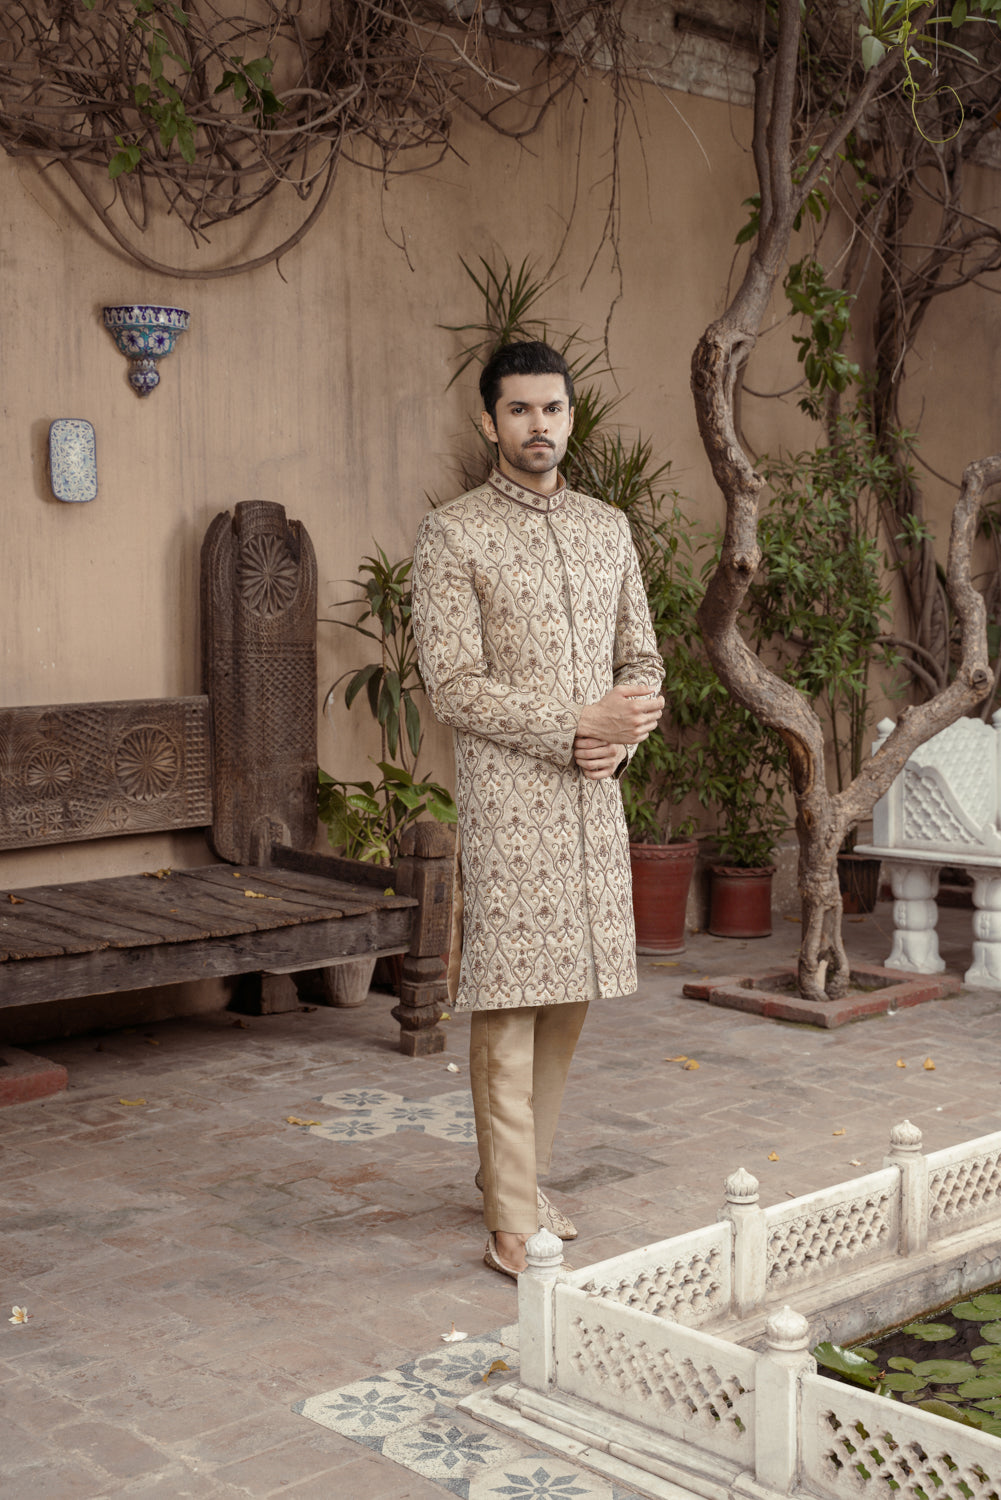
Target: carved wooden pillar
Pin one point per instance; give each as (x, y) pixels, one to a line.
(259, 671)
(424, 870)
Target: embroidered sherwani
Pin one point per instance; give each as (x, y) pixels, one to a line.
(525, 608)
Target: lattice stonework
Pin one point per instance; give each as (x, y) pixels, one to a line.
(928, 818)
(685, 1291)
(858, 1461)
(654, 1387)
(809, 1244)
(966, 1190)
(85, 771)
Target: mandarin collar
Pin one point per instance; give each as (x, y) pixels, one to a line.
(531, 498)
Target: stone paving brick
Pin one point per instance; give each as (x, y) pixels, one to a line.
(194, 1266)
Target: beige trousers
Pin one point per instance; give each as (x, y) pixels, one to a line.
(518, 1066)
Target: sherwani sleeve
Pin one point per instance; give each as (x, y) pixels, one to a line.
(448, 628)
(637, 657)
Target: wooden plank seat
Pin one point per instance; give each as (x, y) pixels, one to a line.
(241, 759)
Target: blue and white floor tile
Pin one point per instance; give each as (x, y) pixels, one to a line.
(369, 1113)
(409, 1416)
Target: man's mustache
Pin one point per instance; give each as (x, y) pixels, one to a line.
(534, 442)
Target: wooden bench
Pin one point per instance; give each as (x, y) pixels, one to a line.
(944, 809)
(240, 763)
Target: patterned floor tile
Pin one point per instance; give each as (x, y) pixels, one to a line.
(409, 1416)
(369, 1410)
(452, 1450)
(374, 1112)
(542, 1477)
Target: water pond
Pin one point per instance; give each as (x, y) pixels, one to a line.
(947, 1362)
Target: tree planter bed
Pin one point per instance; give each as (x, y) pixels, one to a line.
(877, 990)
(680, 1369)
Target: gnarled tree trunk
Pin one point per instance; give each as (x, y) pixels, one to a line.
(822, 818)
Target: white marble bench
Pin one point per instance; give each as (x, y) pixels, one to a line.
(943, 809)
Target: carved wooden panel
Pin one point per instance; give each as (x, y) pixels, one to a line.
(92, 770)
(259, 671)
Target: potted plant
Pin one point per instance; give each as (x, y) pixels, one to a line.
(365, 819)
(744, 764)
(667, 767)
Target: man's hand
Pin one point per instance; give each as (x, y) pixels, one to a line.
(626, 716)
(597, 759)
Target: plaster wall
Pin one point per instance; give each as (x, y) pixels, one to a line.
(322, 384)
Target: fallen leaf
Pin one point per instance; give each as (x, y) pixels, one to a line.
(663, 963)
(773, 1156)
(15, 900)
(294, 1120)
(494, 1369)
(453, 1336)
(151, 1041)
(901, 1063)
(681, 1058)
(856, 919)
(237, 875)
(790, 1193)
(389, 891)
(444, 1016)
(157, 874)
(928, 1065)
(854, 1163)
(132, 1102)
(838, 1132)
(259, 895)
(452, 1068)
(689, 1066)
(790, 919)
(242, 1025)
(19, 1315)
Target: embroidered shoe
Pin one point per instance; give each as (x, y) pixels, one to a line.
(550, 1217)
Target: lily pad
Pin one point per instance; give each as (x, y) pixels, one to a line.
(901, 1383)
(849, 1364)
(945, 1371)
(979, 1309)
(991, 1333)
(931, 1333)
(943, 1409)
(987, 1352)
(900, 1362)
(981, 1385)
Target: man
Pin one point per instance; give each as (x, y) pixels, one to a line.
(536, 645)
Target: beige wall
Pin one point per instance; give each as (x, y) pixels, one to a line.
(322, 386)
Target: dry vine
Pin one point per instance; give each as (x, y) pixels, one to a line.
(211, 107)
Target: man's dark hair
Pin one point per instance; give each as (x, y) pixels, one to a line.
(521, 359)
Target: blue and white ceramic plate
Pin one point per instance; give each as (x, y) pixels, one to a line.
(72, 459)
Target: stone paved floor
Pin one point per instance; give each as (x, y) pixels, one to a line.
(194, 1266)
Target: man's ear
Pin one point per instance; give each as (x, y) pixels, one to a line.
(573, 413)
(489, 430)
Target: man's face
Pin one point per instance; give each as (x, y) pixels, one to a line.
(534, 421)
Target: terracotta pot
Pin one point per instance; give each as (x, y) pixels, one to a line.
(858, 881)
(740, 902)
(662, 875)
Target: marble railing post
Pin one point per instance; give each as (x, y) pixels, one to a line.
(748, 1220)
(905, 1154)
(537, 1310)
(776, 1399)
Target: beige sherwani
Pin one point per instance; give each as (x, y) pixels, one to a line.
(525, 608)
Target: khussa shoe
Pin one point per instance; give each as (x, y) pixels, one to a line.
(493, 1260)
(550, 1217)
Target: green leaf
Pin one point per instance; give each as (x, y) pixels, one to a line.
(847, 1363)
(358, 681)
(958, 13)
(899, 1362)
(980, 1309)
(902, 1383)
(944, 1371)
(981, 1385)
(930, 1333)
(873, 50)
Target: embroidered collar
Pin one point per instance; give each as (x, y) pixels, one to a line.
(531, 498)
